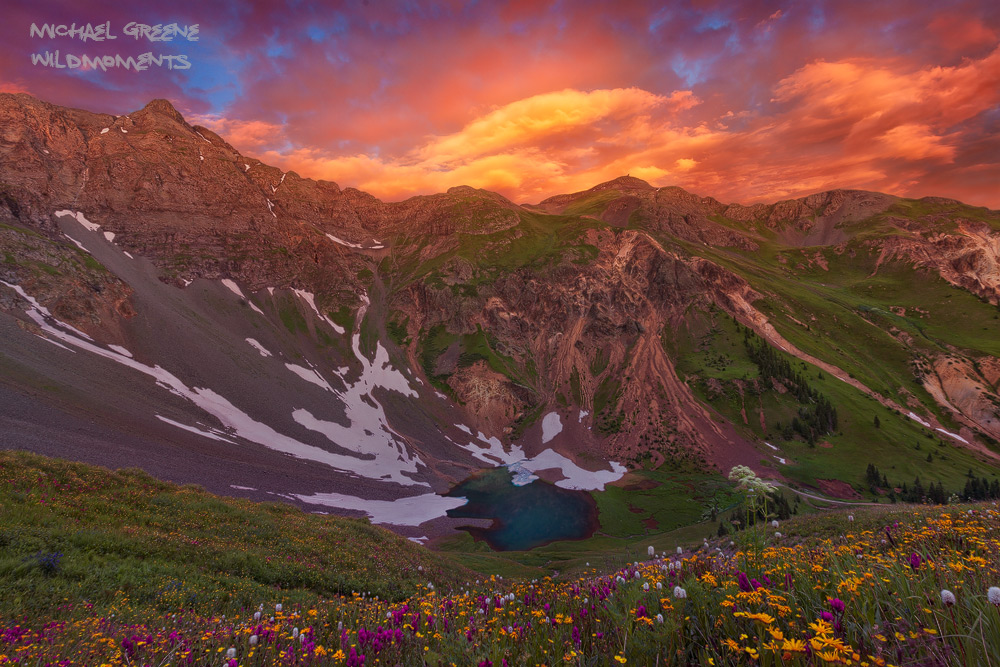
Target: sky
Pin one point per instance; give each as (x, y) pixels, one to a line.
(742, 101)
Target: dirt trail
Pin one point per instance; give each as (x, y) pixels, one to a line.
(821, 498)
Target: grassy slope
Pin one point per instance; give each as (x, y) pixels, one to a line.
(162, 545)
(899, 446)
(843, 314)
(110, 529)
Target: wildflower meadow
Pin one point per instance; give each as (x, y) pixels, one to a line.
(906, 585)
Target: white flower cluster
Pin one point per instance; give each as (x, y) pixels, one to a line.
(747, 480)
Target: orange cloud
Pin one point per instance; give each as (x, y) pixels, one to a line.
(851, 123)
(539, 119)
(248, 135)
(13, 87)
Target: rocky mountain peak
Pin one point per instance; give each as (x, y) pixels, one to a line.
(623, 183)
(164, 107)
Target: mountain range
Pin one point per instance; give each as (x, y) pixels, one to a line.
(172, 304)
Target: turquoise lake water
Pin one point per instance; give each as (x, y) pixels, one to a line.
(526, 516)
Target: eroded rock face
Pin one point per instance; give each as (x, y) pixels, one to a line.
(967, 386)
(75, 289)
(577, 315)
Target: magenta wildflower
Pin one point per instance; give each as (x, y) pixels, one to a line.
(837, 605)
(915, 561)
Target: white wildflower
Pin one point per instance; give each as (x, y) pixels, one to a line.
(774, 523)
(645, 586)
(253, 640)
(231, 653)
(778, 535)
(680, 593)
(850, 517)
(659, 618)
(679, 550)
(277, 607)
(295, 633)
(659, 585)
(947, 597)
(993, 595)
(651, 551)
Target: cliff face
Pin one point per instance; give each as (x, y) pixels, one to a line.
(604, 305)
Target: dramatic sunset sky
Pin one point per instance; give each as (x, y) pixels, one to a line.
(743, 101)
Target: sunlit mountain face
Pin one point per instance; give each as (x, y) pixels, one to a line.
(352, 256)
(748, 102)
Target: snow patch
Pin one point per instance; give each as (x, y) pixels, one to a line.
(369, 436)
(38, 313)
(577, 478)
(121, 350)
(523, 469)
(411, 511)
(781, 460)
(105, 130)
(388, 462)
(310, 375)
(772, 446)
(241, 488)
(918, 420)
(128, 254)
(343, 242)
(551, 426)
(78, 244)
(463, 427)
(235, 289)
(311, 300)
(583, 413)
(246, 168)
(952, 435)
(195, 429)
(270, 207)
(110, 236)
(520, 476)
(78, 216)
(260, 348)
(56, 343)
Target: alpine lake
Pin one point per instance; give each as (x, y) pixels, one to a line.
(525, 515)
